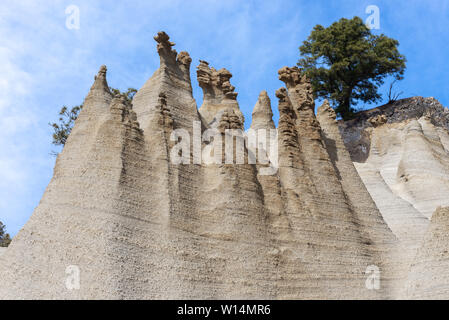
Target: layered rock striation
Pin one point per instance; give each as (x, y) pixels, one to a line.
(159, 200)
(218, 94)
(400, 152)
(428, 277)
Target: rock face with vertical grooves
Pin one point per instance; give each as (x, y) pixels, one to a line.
(400, 152)
(323, 224)
(159, 200)
(429, 278)
(79, 220)
(371, 221)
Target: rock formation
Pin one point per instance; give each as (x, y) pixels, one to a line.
(315, 198)
(157, 199)
(218, 93)
(400, 152)
(429, 278)
(262, 115)
(78, 221)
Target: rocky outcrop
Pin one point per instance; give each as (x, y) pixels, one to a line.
(218, 94)
(428, 278)
(262, 115)
(315, 199)
(356, 132)
(157, 200)
(264, 134)
(173, 80)
(401, 154)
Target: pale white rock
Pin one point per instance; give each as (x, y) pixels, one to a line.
(400, 152)
(429, 277)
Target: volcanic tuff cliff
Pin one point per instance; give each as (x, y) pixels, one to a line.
(140, 226)
(401, 152)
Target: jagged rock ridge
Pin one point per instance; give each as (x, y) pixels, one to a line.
(218, 93)
(140, 226)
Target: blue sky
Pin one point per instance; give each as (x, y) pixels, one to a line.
(44, 65)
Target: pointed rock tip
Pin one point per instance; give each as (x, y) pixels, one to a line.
(262, 116)
(225, 73)
(263, 103)
(263, 93)
(169, 55)
(166, 53)
(100, 82)
(184, 58)
(326, 109)
(103, 70)
(163, 37)
(214, 82)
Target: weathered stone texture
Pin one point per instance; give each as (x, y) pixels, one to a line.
(140, 226)
(400, 152)
(218, 93)
(429, 277)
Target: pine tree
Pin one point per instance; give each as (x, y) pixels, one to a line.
(5, 239)
(346, 63)
(62, 129)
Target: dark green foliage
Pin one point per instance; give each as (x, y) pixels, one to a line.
(5, 239)
(62, 129)
(129, 94)
(346, 63)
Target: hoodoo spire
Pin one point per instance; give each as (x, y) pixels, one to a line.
(262, 113)
(100, 83)
(172, 78)
(218, 93)
(326, 110)
(137, 208)
(164, 48)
